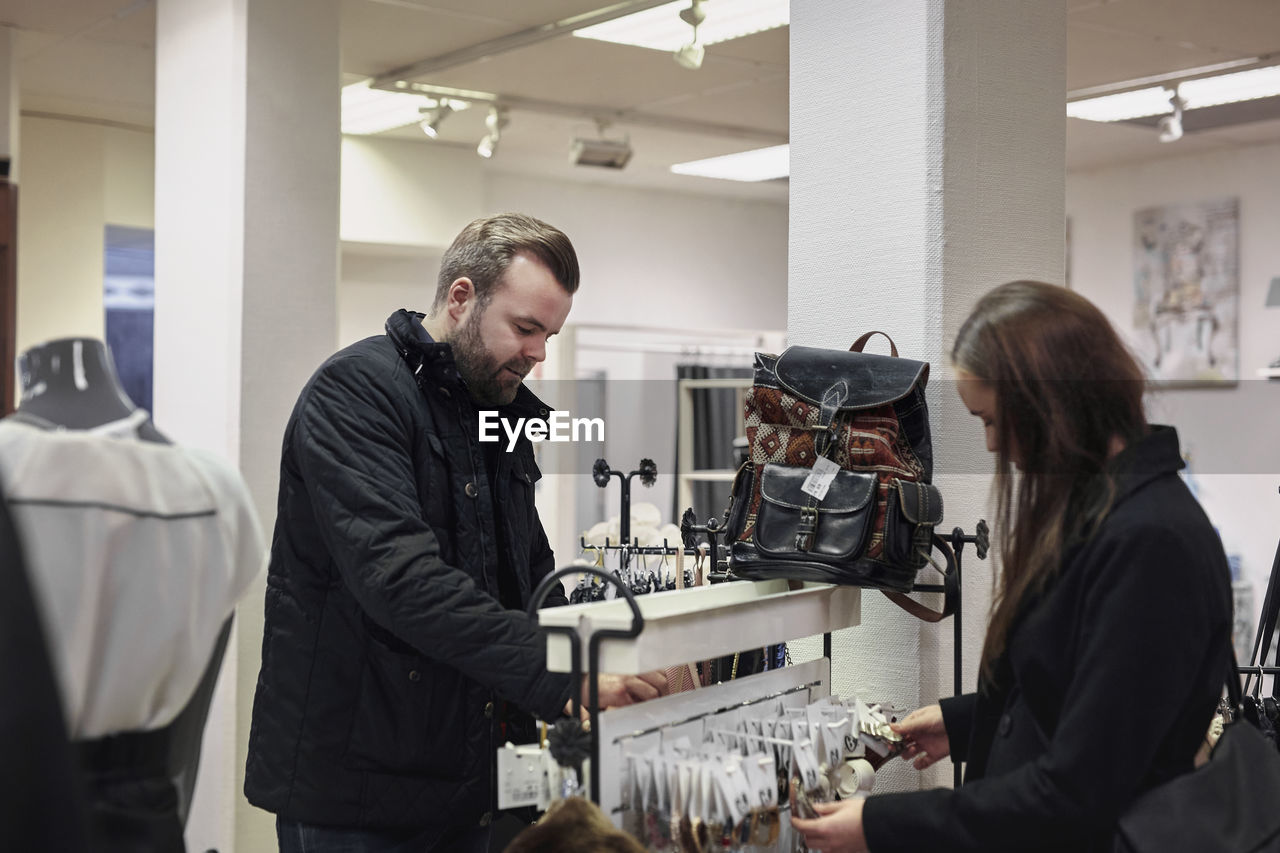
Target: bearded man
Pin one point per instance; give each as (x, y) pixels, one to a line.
(396, 655)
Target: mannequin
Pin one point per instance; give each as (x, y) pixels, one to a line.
(72, 383)
(139, 783)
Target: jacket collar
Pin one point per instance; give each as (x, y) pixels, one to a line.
(1156, 454)
(404, 328)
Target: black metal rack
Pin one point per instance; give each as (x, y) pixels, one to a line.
(648, 474)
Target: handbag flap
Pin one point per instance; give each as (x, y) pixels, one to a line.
(871, 380)
(849, 491)
(921, 503)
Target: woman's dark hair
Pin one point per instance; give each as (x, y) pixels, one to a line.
(1065, 387)
(485, 248)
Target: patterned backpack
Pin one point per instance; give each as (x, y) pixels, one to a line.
(837, 484)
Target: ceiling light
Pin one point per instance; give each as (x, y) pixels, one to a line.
(1230, 88)
(661, 27)
(495, 122)
(366, 110)
(433, 118)
(762, 164)
(1170, 126)
(1196, 94)
(1152, 101)
(690, 55)
(605, 153)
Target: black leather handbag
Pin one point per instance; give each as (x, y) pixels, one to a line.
(1230, 805)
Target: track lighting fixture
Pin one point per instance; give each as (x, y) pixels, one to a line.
(433, 117)
(1170, 126)
(690, 55)
(604, 152)
(495, 122)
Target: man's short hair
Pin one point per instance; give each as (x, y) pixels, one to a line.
(485, 248)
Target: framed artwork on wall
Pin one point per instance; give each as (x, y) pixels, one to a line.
(1186, 287)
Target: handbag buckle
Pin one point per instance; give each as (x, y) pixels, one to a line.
(807, 529)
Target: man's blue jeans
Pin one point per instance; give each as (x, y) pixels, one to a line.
(295, 837)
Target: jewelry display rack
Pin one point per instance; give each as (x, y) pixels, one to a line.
(651, 632)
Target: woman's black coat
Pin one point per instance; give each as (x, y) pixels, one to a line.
(1109, 683)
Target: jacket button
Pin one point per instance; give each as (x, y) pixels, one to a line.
(488, 710)
(444, 391)
(1006, 725)
(414, 675)
(486, 818)
(471, 490)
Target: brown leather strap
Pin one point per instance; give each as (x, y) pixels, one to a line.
(950, 595)
(862, 342)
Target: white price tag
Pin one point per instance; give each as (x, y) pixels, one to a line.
(819, 479)
(521, 778)
(806, 762)
(762, 776)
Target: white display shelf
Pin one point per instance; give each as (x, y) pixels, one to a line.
(696, 624)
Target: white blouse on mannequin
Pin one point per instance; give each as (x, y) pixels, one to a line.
(138, 552)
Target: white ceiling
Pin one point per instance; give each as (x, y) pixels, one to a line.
(95, 58)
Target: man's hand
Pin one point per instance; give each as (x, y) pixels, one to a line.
(618, 690)
(924, 736)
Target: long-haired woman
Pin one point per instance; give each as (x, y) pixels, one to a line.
(1110, 634)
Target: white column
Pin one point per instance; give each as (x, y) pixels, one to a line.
(926, 167)
(247, 151)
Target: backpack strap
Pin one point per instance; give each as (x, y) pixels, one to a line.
(862, 342)
(950, 589)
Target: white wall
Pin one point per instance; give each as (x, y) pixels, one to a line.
(76, 178)
(373, 282)
(1230, 432)
(649, 258)
(654, 258)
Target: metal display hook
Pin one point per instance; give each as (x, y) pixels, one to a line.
(648, 473)
(593, 659)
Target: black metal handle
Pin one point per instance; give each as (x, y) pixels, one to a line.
(593, 655)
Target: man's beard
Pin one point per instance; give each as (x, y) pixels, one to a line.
(488, 381)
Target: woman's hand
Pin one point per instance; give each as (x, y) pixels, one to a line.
(836, 829)
(924, 736)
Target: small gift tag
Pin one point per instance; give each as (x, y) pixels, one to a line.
(819, 479)
(762, 776)
(806, 763)
(522, 781)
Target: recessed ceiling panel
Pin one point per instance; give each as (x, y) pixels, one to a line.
(63, 16)
(377, 37)
(763, 104)
(771, 47)
(1100, 56)
(137, 28)
(518, 14)
(1230, 28)
(588, 72)
(1094, 145)
(74, 69)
